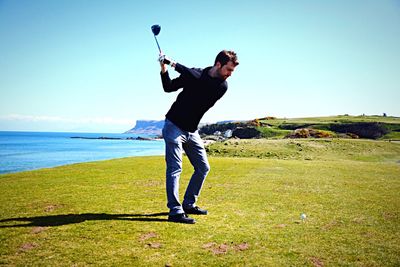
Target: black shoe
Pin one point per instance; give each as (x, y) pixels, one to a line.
(181, 218)
(195, 210)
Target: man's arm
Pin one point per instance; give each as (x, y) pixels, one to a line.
(168, 84)
(186, 72)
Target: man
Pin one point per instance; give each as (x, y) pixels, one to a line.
(201, 88)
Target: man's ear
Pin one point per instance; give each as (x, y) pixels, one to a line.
(218, 65)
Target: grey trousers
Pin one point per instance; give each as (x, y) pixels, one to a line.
(177, 141)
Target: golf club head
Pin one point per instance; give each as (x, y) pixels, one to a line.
(156, 29)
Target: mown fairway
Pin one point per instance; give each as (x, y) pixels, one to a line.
(112, 213)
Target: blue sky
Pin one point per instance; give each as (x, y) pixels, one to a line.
(91, 66)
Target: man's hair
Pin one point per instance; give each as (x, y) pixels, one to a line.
(225, 56)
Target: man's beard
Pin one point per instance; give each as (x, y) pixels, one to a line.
(221, 76)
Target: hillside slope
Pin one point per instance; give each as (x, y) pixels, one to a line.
(370, 127)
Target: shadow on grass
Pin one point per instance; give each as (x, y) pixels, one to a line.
(58, 220)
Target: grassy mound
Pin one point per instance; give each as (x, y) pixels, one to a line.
(112, 213)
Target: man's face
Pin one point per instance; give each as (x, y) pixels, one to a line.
(226, 70)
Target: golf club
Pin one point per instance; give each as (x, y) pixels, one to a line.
(156, 30)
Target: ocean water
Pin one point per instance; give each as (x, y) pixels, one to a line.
(21, 151)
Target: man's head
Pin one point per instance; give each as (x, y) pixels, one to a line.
(225, 63)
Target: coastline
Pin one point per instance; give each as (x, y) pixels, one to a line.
(72, 164)
(25, 151)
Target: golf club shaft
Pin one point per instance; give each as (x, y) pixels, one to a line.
(159, 49)
(156, 30)
(165, 61)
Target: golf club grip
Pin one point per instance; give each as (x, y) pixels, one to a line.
(166, 61)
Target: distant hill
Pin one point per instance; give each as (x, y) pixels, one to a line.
(154, 127)
(345, 126)
(147, 127)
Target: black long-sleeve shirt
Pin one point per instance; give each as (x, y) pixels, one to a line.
(199, 94)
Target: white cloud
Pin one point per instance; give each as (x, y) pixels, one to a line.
(85, 120)
(18, 122)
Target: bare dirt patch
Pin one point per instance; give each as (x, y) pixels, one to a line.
(209, 245)
(146, 236)
(316, 262)
(52, 207)
(389, 215)
(330, 225)
(154, 245)
(241, 247)
(37, 230)
(219, 249)
(27, 246)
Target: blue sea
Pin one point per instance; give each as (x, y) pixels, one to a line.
(21, 151)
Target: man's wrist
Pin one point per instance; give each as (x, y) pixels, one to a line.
(164, 69)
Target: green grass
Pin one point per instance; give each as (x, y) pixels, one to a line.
(269, 132)
(108, 213)
(309, 149)
(392, 136)
(275, 126)
(334, 119)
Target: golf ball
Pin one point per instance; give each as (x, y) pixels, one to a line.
(303, 216)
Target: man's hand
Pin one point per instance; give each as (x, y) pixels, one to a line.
(164, 61)
(164, 68)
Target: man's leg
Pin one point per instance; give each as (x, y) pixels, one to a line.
(197, 155)
(173, 158)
